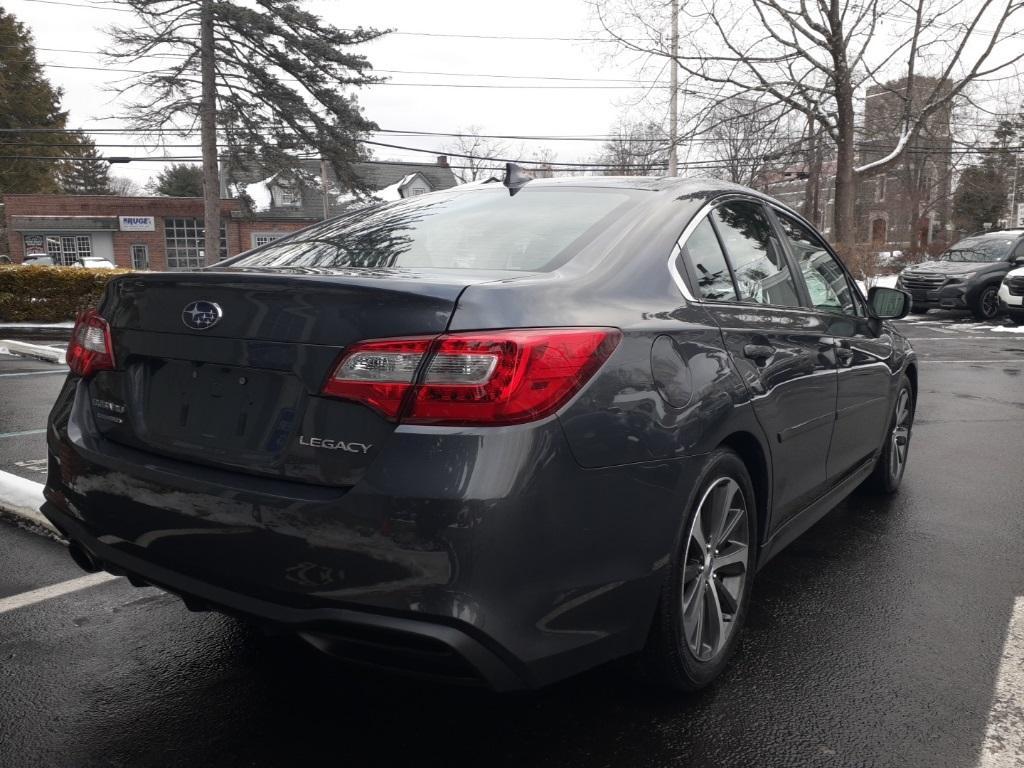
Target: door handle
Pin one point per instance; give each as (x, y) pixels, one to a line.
(758, 351)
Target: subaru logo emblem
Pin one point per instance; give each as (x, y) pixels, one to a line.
(201, 315)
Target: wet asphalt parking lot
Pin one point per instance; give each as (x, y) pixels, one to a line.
(876, 639)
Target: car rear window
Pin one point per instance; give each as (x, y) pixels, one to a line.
(534, 230)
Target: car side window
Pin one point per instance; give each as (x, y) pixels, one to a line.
(762, 275)
(827, 283)
(706, 263)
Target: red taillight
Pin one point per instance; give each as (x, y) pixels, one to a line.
(90, 349)
(482, 378)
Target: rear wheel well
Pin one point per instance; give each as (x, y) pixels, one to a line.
(749, 450)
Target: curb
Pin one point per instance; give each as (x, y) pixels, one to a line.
(21, 499)
(37, 351)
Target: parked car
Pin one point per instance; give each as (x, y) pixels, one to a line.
(94, 262)
(495, 434)
(965, 276)
(37, 260)
(1011, 294)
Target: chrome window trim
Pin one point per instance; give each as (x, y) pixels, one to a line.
(676, 249)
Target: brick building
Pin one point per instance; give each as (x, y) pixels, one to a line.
(166, 233)
(158, 233)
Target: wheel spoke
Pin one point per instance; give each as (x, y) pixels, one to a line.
(726, 599)
(716, 620)
(736, 514)
(693, 617)
(697, 531)
(732, 560)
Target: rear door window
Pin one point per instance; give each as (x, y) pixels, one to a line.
(762, 274)
(705, 262)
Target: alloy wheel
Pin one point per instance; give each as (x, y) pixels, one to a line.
(715, 567)
(899, 441)
(989, 303)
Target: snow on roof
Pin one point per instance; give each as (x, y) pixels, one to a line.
(259, 193)
(393, 191)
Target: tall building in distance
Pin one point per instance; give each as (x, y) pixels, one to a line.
(906, 206)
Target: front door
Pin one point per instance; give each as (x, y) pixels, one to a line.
(783, 352)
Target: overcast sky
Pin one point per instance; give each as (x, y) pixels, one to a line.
(533, 111)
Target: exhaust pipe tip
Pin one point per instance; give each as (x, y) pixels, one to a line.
(82, 559)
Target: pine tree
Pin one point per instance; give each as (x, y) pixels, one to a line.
(87, 173)
(178, 180)
(27, 100)
(269, 80)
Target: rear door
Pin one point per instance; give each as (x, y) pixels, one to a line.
(780, 349)
(863, 358)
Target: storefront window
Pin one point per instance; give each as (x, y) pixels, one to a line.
(140, 257)
(185, 242)
(66, 250)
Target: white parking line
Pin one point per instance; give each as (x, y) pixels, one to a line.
(54, 590)
(23, 433)
(34, 373)
(1004, 737)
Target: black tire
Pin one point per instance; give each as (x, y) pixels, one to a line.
(888, 472)
(668, 659)
(986, 307)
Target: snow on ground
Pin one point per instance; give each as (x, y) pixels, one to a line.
(22, 498)
(881, 281)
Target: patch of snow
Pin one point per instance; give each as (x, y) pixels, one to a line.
(391, 192)
(879, 281)
(904, 138)
(259, 193)
(1007, 329)
(22, 498)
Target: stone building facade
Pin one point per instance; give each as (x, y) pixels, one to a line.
(907, 206)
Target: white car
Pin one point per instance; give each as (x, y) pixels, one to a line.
(37, 260)
(1011, 294)
(95, 262)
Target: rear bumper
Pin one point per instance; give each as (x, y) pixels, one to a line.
(469, 555)
(421, 648)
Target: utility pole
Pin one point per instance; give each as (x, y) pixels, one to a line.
(208, 134)
(673, 96)
(323, 186)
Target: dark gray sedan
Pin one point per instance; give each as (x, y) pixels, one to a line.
(498, 434)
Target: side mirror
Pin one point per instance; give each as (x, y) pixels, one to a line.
(889, 303)
(1018, 261)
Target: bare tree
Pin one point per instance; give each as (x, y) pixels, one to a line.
(635, 149)
(815, 58)
(123, 186)
(475, 154)
(746, 138)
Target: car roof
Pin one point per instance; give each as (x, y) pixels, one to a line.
(1015, 232)
(684, 184)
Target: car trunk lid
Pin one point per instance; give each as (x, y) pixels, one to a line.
(244, 393)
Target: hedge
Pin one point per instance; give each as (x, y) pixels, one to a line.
(50, 294)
